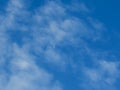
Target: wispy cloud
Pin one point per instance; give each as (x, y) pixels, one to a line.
(52, 36)
(20, 72)
(103, 75)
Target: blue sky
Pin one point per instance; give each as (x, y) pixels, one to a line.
(59, 45)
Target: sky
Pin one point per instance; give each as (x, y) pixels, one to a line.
(59, 45)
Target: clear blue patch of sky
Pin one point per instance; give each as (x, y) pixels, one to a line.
(3, 4)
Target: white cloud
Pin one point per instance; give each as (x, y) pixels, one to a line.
(26, 75)
(52, 29)
(103, 76)
(20, 71)
(49, 26)
(51, 8)
(79, 7)
(54, 57)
